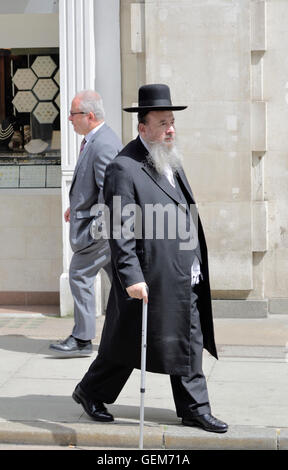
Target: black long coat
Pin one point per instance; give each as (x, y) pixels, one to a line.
(160, 263)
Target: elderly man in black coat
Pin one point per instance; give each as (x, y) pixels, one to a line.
(158, 251)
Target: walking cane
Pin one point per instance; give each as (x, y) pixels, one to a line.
(143, 369)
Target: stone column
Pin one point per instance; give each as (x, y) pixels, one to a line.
(89, 59)
(77, 72)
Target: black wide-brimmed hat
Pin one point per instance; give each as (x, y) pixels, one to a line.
(154, 97)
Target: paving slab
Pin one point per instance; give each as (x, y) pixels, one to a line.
(283, 439)
(247, 388)
(237, 438)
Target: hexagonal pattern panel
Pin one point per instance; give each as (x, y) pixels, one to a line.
(45, 113)
(24, 79)
(57, 77)
(45, 89)
(24, 101)
(57, 100)
(44, 66)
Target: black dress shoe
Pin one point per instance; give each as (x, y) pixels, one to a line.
(207, 422)
(95, 409)
(70, 347)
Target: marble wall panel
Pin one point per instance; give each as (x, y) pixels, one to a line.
(30, 241)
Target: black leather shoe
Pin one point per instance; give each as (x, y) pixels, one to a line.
(95, 409)
(206, 422)
(70, 347)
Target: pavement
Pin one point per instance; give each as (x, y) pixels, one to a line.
(247, 389)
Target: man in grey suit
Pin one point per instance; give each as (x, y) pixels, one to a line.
(99, 146)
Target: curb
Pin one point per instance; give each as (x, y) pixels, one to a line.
(161, 437)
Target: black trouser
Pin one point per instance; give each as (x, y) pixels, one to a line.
(104, 380)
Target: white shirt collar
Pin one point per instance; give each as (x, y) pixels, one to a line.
(146, 145)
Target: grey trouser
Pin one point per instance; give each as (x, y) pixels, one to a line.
(84, 266)
(105, 379)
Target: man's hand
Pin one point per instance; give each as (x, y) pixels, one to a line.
(67, 215)
(138, 291)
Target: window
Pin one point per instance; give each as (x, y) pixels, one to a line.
(29, 116)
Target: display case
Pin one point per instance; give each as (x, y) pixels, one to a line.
(30, 144)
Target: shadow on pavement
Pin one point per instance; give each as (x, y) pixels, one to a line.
(46, 410)
(22, 343)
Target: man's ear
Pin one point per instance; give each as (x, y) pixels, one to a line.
(141, 128)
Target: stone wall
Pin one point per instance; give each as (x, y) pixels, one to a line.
(275, 84)
(30, 246)
(227, 61)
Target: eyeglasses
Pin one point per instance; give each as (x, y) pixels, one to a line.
(79, 112)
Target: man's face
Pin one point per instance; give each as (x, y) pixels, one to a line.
(159, 127)
(80, 120)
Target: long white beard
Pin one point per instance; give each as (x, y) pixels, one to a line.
(162, 155)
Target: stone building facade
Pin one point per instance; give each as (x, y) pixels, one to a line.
(226, 60)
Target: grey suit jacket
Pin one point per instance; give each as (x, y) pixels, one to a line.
(87, 184)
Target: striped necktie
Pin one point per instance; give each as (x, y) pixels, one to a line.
(82, 145)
